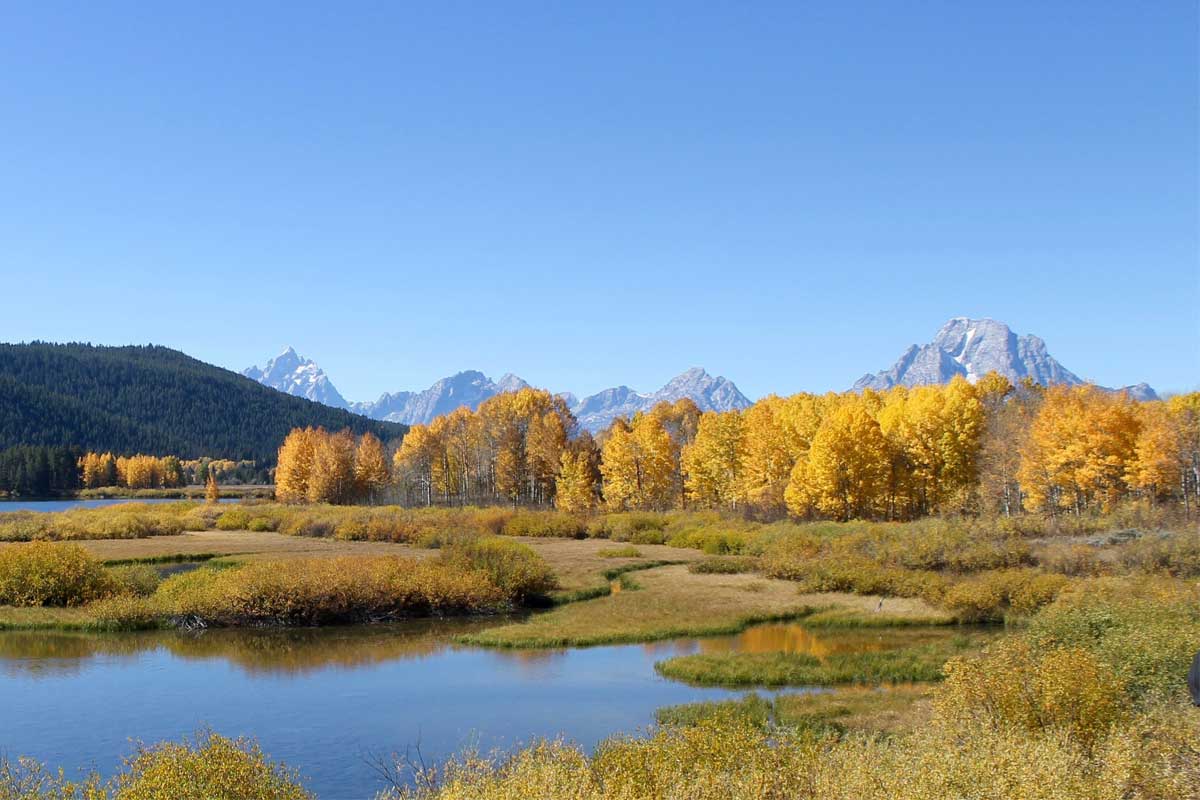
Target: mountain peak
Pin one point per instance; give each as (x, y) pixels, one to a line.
(709, 393)
(293, 374)
(971, 348)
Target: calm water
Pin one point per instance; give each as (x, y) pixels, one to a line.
(67, 505)
(325, 700)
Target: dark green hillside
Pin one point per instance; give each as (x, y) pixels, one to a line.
(152, 400)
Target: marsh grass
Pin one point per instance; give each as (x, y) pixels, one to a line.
(905, 665)
(847, 710)
(629, 551)
(670, 603)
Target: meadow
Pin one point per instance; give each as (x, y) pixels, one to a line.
(1085, 701)
(1079, 695)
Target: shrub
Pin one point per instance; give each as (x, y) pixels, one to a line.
(259, 524)
(50, 574)
(990, 596)
(628, 551)
(210, 768)
(519, 572)
(235, 519)
(724, 566)
(135, 579)
(1177, 555)
(545, 523)
(1147, 631)
(1067, 689)
(124, 612)
(633, 526)
(320, 591)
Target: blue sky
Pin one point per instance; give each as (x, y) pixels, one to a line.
(591, 194)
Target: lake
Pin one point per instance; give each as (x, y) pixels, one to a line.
(67, 505)
(327, 700)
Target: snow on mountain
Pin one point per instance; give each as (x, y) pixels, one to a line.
(710, 393)
(291, 373)
(972, 348)
(468, 389)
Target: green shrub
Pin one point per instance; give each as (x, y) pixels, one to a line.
(731, 565)
(235, 519)
(629, 551)
(259, 524)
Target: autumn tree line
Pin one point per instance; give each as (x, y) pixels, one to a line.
(105, 470)
(988, 447)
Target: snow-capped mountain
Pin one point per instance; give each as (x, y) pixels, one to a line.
(710, 393)
(972, 348)
(289, 372)
(468, 388)
(295, 375)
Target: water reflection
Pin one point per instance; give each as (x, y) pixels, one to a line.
(321, 698)
(296, 651)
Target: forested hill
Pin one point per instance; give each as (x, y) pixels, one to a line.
(151, 400)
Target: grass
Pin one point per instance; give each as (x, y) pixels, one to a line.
(169, 558)
(889, 710)
(921, 663)
(671, 602)
(629, 551)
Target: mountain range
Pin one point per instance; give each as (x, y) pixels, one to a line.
(974, 347)
(291, 373)
(967, 347)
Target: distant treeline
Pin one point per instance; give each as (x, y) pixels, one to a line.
(30, 471)
(151, 400)
(37, 471)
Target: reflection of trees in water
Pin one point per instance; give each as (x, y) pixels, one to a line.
(795, 638)
(287, 651)
(50, 654)
(301, 650)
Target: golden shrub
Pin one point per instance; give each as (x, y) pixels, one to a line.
(43, 573)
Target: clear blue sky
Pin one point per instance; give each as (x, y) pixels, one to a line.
(591, 194)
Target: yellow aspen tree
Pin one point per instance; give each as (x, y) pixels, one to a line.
(713, 463)
(108, 470)
(546, 439)
(1155, 469)
(332, 478)
(1185, 408)
(767, 459)
(293, 467)
(845, 474)
(371, 473)
(575, 489)
(413, 462)
(1080, 445)
(212, 493)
